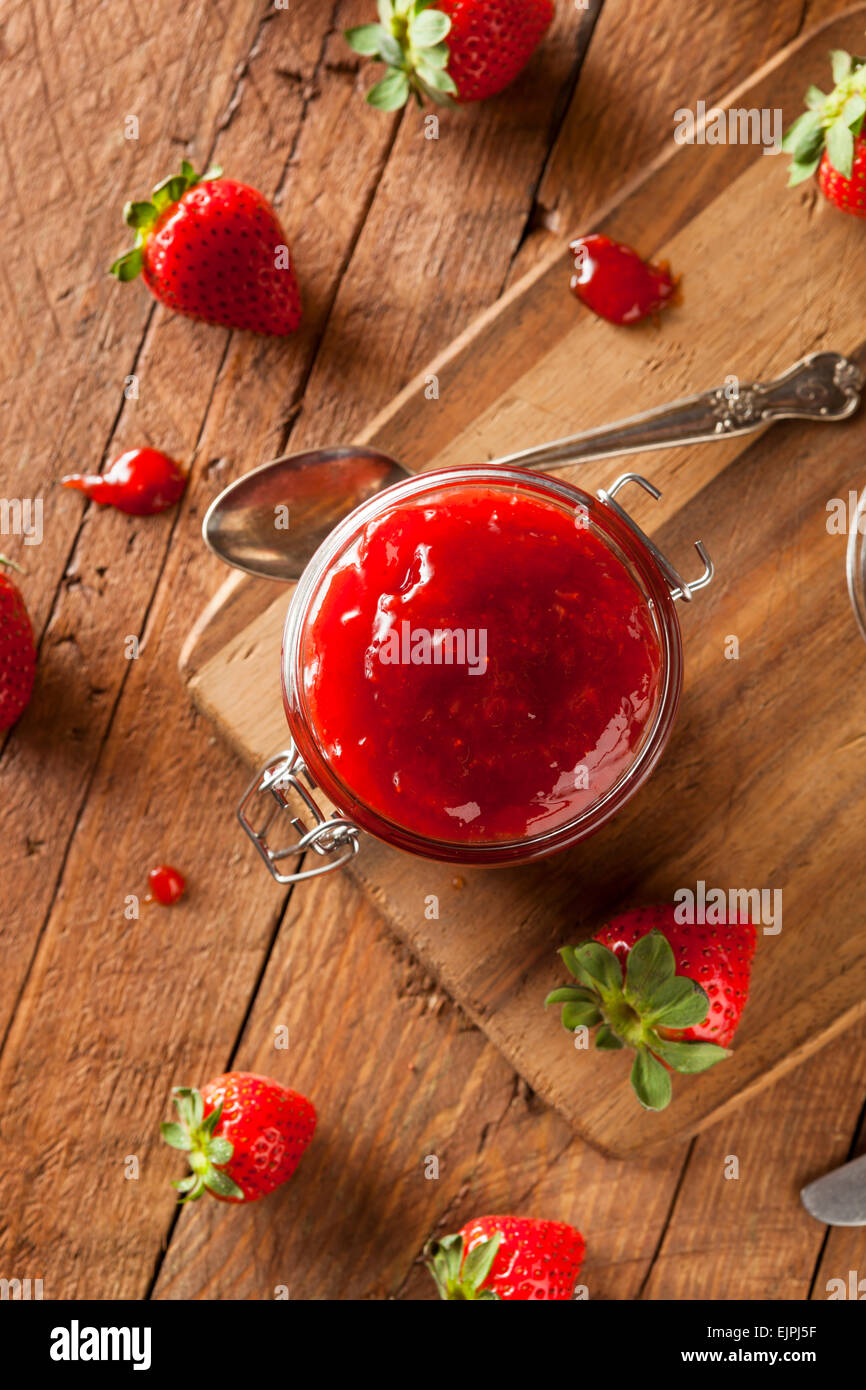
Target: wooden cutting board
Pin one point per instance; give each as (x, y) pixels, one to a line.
(762, 785)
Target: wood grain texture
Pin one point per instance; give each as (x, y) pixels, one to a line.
(536, 368)
(114, 1013)
(758, 1160)
(73, 340)
(360, 1208)
(152, 771)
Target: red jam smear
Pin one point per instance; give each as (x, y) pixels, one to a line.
(613, 281)
(570, 682)
(166, 884)
(141, 482)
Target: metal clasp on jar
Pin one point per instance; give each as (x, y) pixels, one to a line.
(678, 586)
(331, 836)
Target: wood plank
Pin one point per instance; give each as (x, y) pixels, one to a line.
(748, 1236)
(73, 338)
(515, 375)
(113, 565)
(843, 1253)
(398, 1078)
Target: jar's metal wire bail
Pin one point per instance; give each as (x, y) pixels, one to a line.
(678, 586)
(335, 837)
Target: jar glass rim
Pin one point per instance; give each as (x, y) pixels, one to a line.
(631, 552)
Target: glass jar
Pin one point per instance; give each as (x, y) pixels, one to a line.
(306, 767)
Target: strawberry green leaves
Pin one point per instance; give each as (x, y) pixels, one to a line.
(840, 147)
(830, 123)
(392, 92)
(650, 1081)
(445, 1258)
(804, 141)
(638, 1008)
(840, 63)
(141, 217)
(193, 1133)
(409, 39)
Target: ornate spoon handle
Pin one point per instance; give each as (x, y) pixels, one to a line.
(822, 386)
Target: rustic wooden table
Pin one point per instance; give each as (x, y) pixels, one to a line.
(400, 241)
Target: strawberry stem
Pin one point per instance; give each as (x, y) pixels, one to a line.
(640, 1009)
(208, 1153)
(142, 217)
(831, 123)
(410, 41)
(460, 1279)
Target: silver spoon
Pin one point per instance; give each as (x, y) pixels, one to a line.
(272, 520)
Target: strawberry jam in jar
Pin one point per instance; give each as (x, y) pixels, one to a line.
(481, 665)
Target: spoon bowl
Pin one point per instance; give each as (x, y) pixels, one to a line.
(271, 521)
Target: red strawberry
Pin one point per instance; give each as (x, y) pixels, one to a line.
(827, 137)
(214, 249)
(17, 651)
(140, 482)
(244, 1134)
(514, 1258)
(846, 192)
(674, 991)
(463, 50)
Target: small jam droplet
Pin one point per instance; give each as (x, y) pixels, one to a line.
(166, 884)
(614, 282)
(140, 482)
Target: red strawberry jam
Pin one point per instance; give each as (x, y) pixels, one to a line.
(166, 884)
(141, 482)
(479, 665)
(614, 282)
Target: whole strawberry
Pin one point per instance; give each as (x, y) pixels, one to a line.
(450, 50)
(827, 137)
(17, 651)
(673, 991)
(513, 1258)
(213, 249)
(244, 1135)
